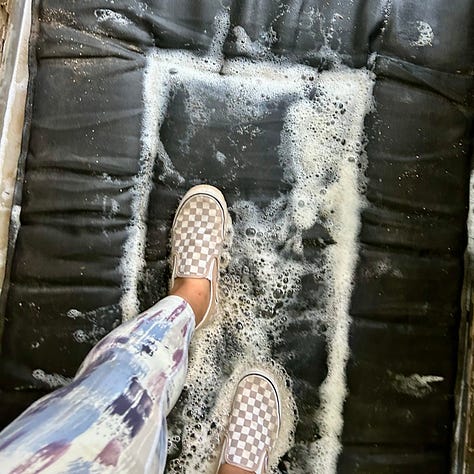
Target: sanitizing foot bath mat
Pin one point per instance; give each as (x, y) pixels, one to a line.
(341, 136)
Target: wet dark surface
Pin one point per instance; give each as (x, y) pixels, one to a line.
(82, 155)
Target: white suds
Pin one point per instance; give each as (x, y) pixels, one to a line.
(322, 157)
(221, 158)
(15, 222)
(53, 380)
(425, 35)
(74, 314)
(415, 385)
(104, 15)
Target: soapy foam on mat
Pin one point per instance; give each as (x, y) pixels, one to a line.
(321, 153)
(415, 385)
(425, 35)
(53, 380)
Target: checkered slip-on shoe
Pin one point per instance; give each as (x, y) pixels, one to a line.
(199, 230)
(254, 424)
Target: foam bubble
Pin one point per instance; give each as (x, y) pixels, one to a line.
(425, 35)
(106, 15)
(415, 385)
(53, 380)
(74, 314)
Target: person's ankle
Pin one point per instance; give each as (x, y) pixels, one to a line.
(196, 292)
(229, 469)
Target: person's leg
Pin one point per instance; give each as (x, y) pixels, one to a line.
(196, 291)
(113, 413)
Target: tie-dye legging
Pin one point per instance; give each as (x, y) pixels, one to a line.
(112, 416)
